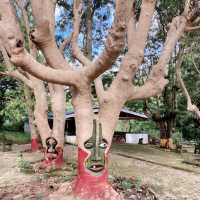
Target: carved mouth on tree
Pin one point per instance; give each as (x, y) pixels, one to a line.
(96, 167)
(51, 156)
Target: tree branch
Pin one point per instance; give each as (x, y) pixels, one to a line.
(114, 43)
(14, 73)
(59, 76)
(10, 33)
(188, 28)
(147, 11)
(156, 81)
(20, 58)
(190, 107)
(65, 43)
(131, 32)
(100, 92)
(77, 53)
(187, 7)
(44, 11)
(17, 75)
(43, 36)
(135, 55)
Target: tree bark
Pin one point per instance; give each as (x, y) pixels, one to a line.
(35, 137)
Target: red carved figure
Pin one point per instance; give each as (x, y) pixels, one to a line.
(53, 155)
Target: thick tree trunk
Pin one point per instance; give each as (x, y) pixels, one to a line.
(93, 148)
(165, 135)
(92, 185)
(165, 128)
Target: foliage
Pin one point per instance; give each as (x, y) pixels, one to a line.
(24, 165)
(14, 111)
(6, 84)
(187, 122)
(177, 137)
(127, 184)
(135, 126)
(16, 137)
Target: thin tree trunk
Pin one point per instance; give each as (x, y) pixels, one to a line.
(58, 108)
(53, 158)
(35, 137)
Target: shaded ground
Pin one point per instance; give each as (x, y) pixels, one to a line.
(168, 183)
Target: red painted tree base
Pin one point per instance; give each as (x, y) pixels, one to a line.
(87, 186)
(52, 161)
(65, 192)
(35, 145)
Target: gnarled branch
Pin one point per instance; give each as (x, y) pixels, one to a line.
(43, 34)
(58, 76)
(77, 53)
(190, 106)
(14, 73)
(65, 43)
(113, 45)
(156, 81)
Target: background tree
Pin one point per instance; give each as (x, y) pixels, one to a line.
(188, 79)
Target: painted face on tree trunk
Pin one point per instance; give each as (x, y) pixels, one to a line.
(97, 145)
(51, 143)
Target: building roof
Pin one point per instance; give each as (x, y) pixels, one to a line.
(125, 114)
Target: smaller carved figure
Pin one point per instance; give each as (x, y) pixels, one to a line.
(51, 151)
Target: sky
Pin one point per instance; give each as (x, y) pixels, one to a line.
(102, 21)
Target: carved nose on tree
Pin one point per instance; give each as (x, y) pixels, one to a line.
(50, 150)
(97, 157)
(19, 43)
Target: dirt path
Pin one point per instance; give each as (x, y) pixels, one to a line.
(9, 173)
(168, 183)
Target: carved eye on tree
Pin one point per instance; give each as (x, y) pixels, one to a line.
(88, 145)
(103, 144)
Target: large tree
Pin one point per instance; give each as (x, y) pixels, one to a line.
(36, 94)
(94, 133)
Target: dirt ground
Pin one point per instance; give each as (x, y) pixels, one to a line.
(166, 182)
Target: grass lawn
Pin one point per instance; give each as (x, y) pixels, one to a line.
(16, 137)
